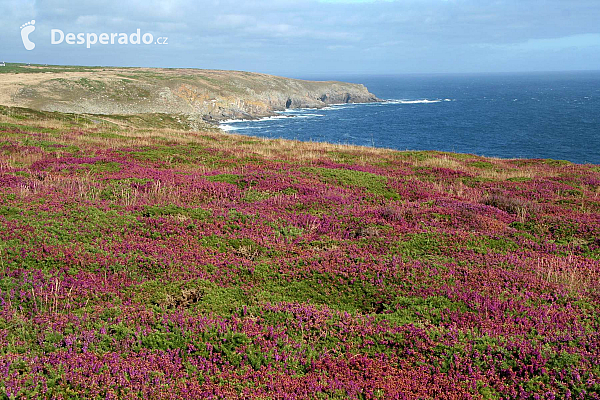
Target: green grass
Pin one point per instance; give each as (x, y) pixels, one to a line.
(420, 245)
(482, 164)
(519, 179)
(485, 245)
(20, 68)
(225, 178)
(371, 183)
(559, 163)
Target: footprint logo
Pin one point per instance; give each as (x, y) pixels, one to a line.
(26, 29)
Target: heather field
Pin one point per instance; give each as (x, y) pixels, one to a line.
(138, 260)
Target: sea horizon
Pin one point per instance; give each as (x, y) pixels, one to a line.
(505, 115)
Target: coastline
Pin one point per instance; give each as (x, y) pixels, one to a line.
(210, 95)
(279, 114)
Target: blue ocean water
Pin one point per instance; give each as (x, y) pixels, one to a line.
(541, 115)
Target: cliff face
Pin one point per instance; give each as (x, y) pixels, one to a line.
(210, 95)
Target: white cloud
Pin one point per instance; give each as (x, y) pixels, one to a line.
(406, 32)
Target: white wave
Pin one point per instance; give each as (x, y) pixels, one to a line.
(309, 115)
(274, 117)
(335, 107)
(421, 101)
(352, 104)
(228, 128)
(294, 111)
(290, 116)
(227, 125)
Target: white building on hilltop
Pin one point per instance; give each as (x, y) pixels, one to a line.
(2, 64)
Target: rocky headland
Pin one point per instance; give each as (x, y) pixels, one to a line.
(202, 95)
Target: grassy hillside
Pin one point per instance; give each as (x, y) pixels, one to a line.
(201, 94)
(153, 262)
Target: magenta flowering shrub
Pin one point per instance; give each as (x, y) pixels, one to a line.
(222, 267)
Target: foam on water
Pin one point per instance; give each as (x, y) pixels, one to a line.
(230, 128)
(228, 125)
(420, 101)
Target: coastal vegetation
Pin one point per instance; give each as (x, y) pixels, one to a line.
(141, 260)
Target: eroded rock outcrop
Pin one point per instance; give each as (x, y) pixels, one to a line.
(211, 95)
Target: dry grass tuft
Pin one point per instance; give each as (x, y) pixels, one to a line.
(444, 162)
(512, 205)
(564, 271)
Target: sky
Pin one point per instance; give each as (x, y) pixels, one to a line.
(315, 37)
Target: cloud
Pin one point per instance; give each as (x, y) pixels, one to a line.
(393, 36)
(567, 42)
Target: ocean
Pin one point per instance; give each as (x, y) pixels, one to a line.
(532, 115)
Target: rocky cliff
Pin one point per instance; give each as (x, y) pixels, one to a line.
(204, 94)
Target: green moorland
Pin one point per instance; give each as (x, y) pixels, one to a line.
(141, 260)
